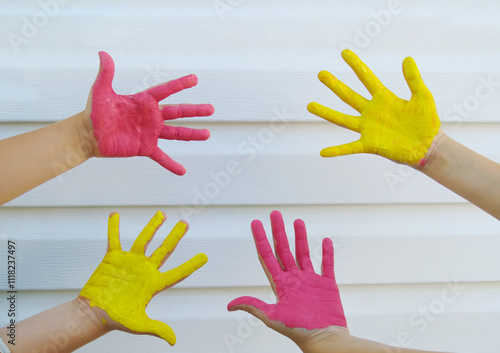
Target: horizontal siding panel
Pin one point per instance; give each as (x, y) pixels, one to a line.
(447, 220)
(327, 22)
(32, 95)
(382, 259)
(282, 167)
(276, 62)
(372, 243)
(378, 313)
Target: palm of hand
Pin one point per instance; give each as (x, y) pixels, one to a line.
(132, 126)
(316, 297)
(397, 129)
(122, 285)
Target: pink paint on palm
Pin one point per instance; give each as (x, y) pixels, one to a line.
(126, 126)
(305, 299)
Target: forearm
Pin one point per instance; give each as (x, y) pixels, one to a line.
(466, 173)
(339, 341)
(65, 327)
(35, 157)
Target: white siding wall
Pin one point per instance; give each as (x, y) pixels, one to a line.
(401, 243)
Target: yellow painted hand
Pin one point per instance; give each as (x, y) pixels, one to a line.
(125, 281)
(392, 127)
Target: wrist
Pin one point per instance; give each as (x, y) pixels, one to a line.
(92, 316)
(85, 135)
(327, 340)
(432, 153)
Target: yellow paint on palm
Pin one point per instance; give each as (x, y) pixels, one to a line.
(392, 127)
(124, 282)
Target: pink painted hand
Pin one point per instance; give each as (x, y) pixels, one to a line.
(400, 130)
(126, 126)
(306, 301)
(124, 283)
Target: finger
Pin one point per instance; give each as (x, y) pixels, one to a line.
(145, 237)
(183, 271)
(327, 262)
(161, 254)
(164, 90)
(166, 162)
(348, 121)
(254, 306)
(365, 75)
(106, 73)
(342, 150)
(268, 261)
(171, 112)
(184, 133)
(281, 246)
(114, 232)
(350, 97)
(301, 246)
(412, 76)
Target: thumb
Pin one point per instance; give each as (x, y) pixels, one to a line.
(253, 306)
(157, 328)
(343, 150)
(412, 76)
(106, 71)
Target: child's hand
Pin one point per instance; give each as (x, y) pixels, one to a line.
(125, 281)
(126, 126)
(306, 301)
(389, 126)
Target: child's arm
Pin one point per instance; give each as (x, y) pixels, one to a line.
(111, 125)
(409, 132)
(66, 327)
(32, 158)
(114, 298)
(308, 309)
